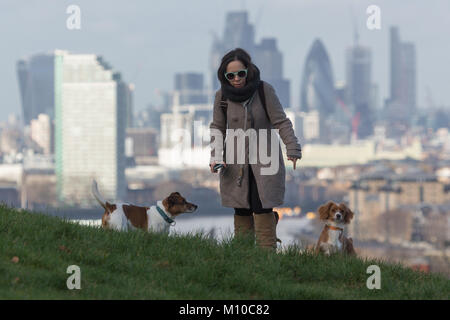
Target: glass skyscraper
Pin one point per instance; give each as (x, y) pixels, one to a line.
(317, 85)
(190, 88)
(36, 81)
(403, 70)
(401, 105)
(317, 90)
(239, 33)
(359, 88)
(270, 62)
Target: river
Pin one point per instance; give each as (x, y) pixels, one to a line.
(221, 227)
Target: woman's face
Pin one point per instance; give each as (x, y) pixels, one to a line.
(235, 66)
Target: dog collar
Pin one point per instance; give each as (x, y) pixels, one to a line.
(165, 217)
(335, 228)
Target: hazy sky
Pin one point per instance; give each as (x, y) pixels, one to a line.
(149, 41)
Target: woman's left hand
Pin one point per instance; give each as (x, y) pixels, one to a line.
(293, 159)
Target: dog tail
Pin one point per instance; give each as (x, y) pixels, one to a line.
(97, 195)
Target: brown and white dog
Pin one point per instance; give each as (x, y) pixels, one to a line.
(332, 238)
(158, 218)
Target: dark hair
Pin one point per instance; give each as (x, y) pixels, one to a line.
(237, 54)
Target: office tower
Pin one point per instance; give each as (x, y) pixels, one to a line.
(270, 63)
(403, 70)
(215, 57)
(359, 88)
(36, 84)
(358, 75)
(317, 87)
(403, 82)
(239, 33)
(269, 59)
(189, 87)
(125, 92)
(90, 122)
(395, 54)
(408, 78)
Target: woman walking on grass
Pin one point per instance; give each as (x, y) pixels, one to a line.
(243, 102)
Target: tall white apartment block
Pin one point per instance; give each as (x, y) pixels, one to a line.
(89, 129)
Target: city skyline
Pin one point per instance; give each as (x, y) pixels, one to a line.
(239, 33)
(127, 101)
(136, 51)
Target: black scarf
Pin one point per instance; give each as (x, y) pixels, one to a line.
(244, 93)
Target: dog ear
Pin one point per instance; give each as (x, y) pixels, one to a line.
(348, 213)
(173, 199)
(324, 210)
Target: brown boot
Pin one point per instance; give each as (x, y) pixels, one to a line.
(244, 226)
(265, 230)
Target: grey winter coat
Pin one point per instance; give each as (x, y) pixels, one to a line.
(271, 185)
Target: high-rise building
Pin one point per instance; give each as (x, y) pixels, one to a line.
(359, 88)
(317, 87)
(408, 75)
(358, 75)
(90, 121)
(239, 33)
(270, 63)
(395, 67)
(189, 88)
(217, 51)
(269, 59)
(36, 84)
(403, 83)
(125, 93)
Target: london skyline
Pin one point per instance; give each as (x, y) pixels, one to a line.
(124, 36)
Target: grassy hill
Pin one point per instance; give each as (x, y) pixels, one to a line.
(35, 251)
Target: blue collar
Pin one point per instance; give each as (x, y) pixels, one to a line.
(164, 215)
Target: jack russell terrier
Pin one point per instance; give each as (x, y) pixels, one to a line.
(332, 238)
(158, 218)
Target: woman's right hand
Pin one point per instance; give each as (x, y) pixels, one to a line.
(211, 166)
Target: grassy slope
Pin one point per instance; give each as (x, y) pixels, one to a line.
(139, 265)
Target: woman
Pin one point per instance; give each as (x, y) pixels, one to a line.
(243, 186)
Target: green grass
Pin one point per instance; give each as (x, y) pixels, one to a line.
(140, 265)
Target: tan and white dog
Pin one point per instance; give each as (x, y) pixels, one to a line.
(158, 218)
(332, 238)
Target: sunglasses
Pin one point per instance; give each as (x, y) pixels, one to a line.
(241, 74)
